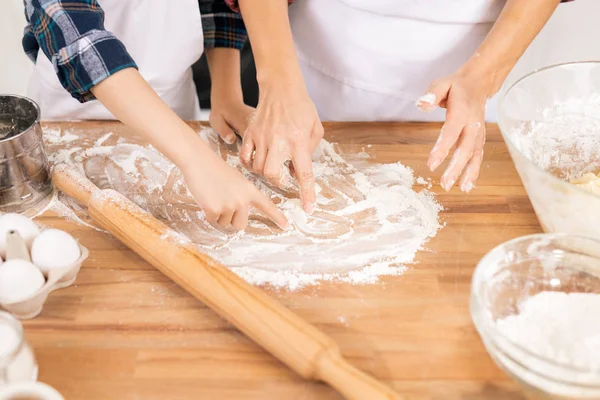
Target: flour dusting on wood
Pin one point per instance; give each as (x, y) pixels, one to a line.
(369, 222)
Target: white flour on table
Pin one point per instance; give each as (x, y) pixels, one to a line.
(368, 222)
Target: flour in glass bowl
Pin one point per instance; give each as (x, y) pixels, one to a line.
(563, 327)
(559, 334)
(369, 221)
(565, 138)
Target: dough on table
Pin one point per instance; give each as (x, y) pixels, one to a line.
(589, 182)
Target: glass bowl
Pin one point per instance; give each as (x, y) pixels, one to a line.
(550, 121)
(513, 273)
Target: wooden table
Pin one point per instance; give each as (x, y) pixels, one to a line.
(124, 331)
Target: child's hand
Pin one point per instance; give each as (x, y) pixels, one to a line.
(464, 96)
(225, 195)
(229, 115)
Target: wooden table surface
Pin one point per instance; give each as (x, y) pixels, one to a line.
(125, 331)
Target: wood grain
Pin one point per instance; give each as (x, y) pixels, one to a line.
(292, 340)
(126, 331)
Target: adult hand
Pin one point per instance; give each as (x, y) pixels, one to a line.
(285, 127)
(464, 95)
(225, 195)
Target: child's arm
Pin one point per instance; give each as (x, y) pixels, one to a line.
(228, 115)
(104, 70)
(465, 93)
(224, 37)
(222, 192)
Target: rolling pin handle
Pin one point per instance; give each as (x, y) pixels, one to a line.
(354, 384)
(70, 181)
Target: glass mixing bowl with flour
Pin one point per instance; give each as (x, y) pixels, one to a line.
(550, 120)
(535, 302)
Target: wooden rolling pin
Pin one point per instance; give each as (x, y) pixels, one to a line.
(295, 342)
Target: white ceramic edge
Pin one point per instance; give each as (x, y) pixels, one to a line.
(46, 392)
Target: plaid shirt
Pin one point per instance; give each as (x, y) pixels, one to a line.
(71, 34)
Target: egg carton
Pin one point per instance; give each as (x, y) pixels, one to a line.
(57, 278)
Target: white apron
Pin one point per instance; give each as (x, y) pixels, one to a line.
(163, 37)
(370, 60)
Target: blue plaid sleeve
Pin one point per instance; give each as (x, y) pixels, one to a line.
(222, 27)
(71, 34)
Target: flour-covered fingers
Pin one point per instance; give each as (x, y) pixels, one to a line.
(436, 96)
(247, 151)
(306, 179)
(462, 154)
(211, 214)
(224, 220)
(222, 128)
(270, 210)
(274, 169)
(239, 221)
(474, 166)
(449, 134)
(259, 159)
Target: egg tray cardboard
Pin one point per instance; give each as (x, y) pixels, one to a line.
(57, 279)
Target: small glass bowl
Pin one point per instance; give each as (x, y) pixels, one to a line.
(517, 270)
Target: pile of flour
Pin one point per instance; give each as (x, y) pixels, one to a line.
(564, 327)
(564, 139)
(368, 222)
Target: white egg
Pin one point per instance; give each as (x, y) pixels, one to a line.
(19, 280)
(54, 248)
(20, 223)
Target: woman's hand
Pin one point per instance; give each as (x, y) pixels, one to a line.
(285, 127)
(224, 194)
(464, 95)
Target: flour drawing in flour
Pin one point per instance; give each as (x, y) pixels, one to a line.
(368, 221)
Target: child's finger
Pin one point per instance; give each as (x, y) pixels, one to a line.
(265, 205)
(240, 121)
(223, 129)
(211, 216)
(240, 219)
(225, 218)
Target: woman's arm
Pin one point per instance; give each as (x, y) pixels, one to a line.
(286, 125)
(465, 93)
